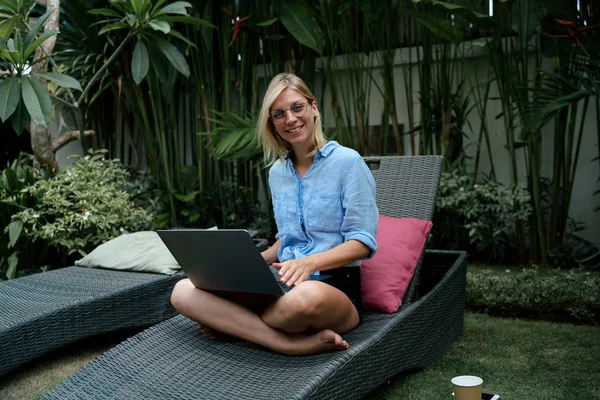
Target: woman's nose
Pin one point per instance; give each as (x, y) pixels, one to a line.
(289, 116)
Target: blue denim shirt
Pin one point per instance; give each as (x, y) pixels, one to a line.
(334, 202)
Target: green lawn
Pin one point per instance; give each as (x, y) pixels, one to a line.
(516, 359)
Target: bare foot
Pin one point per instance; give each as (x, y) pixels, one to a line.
(320, 342)
(213, 334)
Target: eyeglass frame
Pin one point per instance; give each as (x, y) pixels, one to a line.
(304, 103)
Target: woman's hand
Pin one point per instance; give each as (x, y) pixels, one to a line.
(293, 272)
(270, 255)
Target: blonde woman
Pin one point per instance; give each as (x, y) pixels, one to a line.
(324, 206)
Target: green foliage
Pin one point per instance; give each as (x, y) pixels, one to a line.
(481, 217)
(14, 179)
(80, 208)
(234, 137)
(561, 296)
(226, 206)
(22, 96)
(150, 21)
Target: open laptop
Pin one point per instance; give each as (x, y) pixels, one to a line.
(224, 260)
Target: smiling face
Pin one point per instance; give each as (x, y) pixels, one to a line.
(298, 131)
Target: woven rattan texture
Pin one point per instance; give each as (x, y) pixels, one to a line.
(42, 312)
(173, 360)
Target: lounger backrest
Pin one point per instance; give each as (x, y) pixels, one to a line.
(407, 186)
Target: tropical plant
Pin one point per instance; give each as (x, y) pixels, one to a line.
(481, 217)
(78, 209)
(147, 20)
(16, 178)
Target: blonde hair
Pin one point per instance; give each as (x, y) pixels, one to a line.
(274, 147)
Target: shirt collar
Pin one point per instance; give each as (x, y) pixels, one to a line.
(323, 151)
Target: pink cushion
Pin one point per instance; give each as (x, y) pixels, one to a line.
(385, 277)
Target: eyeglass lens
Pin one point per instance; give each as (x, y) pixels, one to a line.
(297, 109)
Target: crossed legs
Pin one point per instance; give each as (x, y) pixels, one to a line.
(306, 320)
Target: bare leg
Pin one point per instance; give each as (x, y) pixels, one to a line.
(233, 319)
(314, 306)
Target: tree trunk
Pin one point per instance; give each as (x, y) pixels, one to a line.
(41, 142)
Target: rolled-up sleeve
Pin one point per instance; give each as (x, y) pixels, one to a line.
(359, 205)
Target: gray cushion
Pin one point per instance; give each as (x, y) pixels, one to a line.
(140, 251)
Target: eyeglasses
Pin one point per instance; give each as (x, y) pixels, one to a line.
(298, 109)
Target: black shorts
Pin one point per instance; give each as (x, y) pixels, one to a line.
(347, 279)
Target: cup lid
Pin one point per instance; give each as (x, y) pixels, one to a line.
(467, 380)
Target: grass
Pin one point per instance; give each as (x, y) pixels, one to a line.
(516, 359)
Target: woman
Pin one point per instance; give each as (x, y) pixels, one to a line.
(324, 203)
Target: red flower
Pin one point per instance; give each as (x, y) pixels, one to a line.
(236, 24)
(574, 32)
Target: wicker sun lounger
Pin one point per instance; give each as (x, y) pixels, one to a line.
(41, 312)
(173, 359)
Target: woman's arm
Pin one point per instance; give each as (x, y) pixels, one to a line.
(296, 271)
(270, 254)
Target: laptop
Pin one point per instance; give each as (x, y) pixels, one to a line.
(224, 260)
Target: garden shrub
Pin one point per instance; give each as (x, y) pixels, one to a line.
(78, 209)
(567, 296)
(480, 218)
(13, 180)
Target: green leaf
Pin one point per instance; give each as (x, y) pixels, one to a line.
(137, 6)
(104, 11)
(140, 62)
(298, 20)
(37, 100)
(184, 197)
(9, 179)
(112, 27)
(178, 7)
(8, 26)
(13, 260)
(10, 5)
(10, 96)
(174, 56)
(162, 26)
(188, 20)
(20, 119)
(157, 5)
(61, 80)
(36, 27)
(121, 5)
(439, 26)
(159, 64)
(31, 47)
(183, 38)
(268, 22)
(14, 231)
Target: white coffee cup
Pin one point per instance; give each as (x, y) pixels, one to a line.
(467, 387)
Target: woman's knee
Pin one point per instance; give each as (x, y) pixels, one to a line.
(180, 293)
(305, 299)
